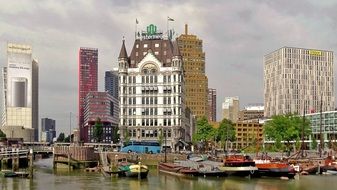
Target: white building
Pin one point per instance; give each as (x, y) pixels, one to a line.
(152, 91)
(297, 80)
(231, 108)
(20, 93)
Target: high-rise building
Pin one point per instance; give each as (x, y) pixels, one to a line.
(87, 66)
(231, 108)
(152, 91)
(298, 80)
(212, 104)
(105, 107)
(20, 93)
(48, 132)
(111, 82)
(196, 82)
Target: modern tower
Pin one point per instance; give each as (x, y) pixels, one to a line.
(105, 107)
(212, 104)
(152, 91)
(48, 131)
(87, 67)
(196, 82)
(111, 82)
(298, 80)
(20, 93)
(231, 108)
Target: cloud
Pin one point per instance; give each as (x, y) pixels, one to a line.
(236, 35)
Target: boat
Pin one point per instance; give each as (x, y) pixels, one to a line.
(239, 165)
(205, 168)
(7, 173)
(134, 170)
(269, 168)
(177, 170)
(330, 172)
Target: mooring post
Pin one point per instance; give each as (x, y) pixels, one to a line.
(31, 156)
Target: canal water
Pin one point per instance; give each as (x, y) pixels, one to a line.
(46, 179)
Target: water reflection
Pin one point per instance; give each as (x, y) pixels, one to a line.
(46, 178)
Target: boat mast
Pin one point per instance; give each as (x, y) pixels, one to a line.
(320, 130)
(302, 136)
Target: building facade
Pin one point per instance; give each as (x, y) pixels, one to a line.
(212, 105)
(151, 91)
(88, 69)
(196, 81)
(105, 107)
(297, 80)
(248, 133)
(230, 108)
(48, 130)
(111, 82)
(325, 124)
(20, 93)
(251, 112)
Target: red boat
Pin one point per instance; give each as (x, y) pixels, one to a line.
(174, 169)
(269, 168)
(239, 165)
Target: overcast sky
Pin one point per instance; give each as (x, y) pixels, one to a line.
(236, 35)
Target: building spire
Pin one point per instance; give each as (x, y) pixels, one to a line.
(176, 51)
(123, 53)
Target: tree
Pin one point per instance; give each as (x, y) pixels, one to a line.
(60, 138)
(314, 143)
(286, 128)
(226, 131)
(2, 134)
(204, 130)
(67, 139)
(98, 130)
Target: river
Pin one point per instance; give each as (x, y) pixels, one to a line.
(46, 179)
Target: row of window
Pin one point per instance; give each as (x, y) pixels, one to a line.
(152, 122)
(150, 133)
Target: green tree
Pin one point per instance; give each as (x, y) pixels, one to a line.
(286, 128)
(60, 138)
(226, 131)
(2, 134)
(98, 130)
(314, 143)
(67, 139)
(204, 130)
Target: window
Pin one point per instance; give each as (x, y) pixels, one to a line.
(145, 45)
(156, 45)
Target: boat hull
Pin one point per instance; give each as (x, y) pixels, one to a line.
(176, 170)
(275, 170)
(240, 171)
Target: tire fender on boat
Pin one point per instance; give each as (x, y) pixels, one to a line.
(252, 171)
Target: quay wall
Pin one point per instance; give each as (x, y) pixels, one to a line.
(80, 153)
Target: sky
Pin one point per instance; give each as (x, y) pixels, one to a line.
(236, 35)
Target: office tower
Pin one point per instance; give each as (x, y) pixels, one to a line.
(212, 104)
(105, 107)
(298, 80)
(152, 91)
(230, 108)
(88, 66)
(20, 93)
(48, 130)
(196, 82)
(111, 82)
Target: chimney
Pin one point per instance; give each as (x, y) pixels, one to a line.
(186, 29)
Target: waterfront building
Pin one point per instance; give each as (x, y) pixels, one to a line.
(247, 133)
(87, 66)
(111, 82)
(211, 104)
(19, 102)
(151, 91)
(48, 131)
(230, 108)
(251, 112)
(196, 81)
(297, 80)
(105, 107)
(325, 124)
